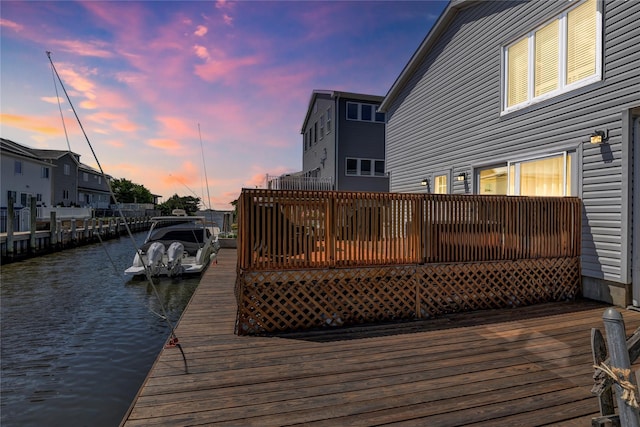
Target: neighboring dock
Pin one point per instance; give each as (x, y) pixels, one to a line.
(525, 366)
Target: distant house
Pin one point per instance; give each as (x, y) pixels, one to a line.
(76, 184)
(23, 176)
(343, 144)
(53, 177)
(531, 98)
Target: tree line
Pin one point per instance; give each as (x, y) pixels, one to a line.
(126, 191)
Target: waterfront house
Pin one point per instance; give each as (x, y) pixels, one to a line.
(76, 184)
(343, 145)
(531, 98)
(54, 177)
(24, 175)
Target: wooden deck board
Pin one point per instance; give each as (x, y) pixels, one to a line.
(525, 366)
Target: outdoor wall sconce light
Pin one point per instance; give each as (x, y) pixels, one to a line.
(598, 137)
(461, 177)
(424, 182)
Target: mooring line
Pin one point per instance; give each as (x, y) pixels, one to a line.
(173, 341)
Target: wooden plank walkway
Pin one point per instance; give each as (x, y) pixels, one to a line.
(527, 366)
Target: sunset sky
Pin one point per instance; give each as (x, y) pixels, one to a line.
(142, 75)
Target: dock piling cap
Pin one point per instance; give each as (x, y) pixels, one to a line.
(612, 314)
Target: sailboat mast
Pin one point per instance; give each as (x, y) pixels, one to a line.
(206, 180)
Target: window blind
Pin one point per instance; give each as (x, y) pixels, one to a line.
(518, 75)
(581, 42)
(546, 59)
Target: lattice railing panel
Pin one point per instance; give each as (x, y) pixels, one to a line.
(284, 300)
(299, 299)
(453, 288)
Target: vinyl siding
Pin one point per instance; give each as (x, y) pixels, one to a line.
(448, 116)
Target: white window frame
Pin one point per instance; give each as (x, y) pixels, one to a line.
(328, 120)
(446, 173)
(563, 87)
(573, 174)
(359, 167)
(374, 111)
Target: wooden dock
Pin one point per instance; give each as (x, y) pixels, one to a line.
(527, 366)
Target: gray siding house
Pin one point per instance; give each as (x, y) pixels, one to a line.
(343, 141)
(531, 98)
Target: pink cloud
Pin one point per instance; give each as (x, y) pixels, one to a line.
(115, 121)
(177, 126)
(31, 123)
(52, 99)
(223, 4)
(227, 19)
(201, 30)
(11, 25)
(224, 70)
(164, 144)
(94, 48)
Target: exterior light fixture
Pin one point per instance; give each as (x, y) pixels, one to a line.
(424, 182)
(461, 177)
(598, 137)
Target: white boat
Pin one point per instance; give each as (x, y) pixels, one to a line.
(175, 246)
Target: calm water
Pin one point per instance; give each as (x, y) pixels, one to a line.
(78, 339)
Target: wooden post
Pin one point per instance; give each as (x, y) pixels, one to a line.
(32, 226)
(599, 352)
(617, 344)
(53, 235)
(10, 218)
(74, 235)
(86, 229)
(59, 232)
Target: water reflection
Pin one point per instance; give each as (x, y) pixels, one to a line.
(77, 338)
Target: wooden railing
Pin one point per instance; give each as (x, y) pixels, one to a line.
(325, 229)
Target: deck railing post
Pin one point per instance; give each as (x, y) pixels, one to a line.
(32, 225)
(617, 345)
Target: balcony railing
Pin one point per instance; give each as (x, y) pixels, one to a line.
(299, 182)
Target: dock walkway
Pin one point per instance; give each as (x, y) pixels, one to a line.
(527, 366)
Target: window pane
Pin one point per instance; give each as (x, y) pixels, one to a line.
(352, 166)
(544, 177)
(379, 165)
(546, 59)
(518, 74)
(379, 117)
(440, 184)
(365, 167)
(367, 112)
(352, 111)
(581, 42)
(493, 181)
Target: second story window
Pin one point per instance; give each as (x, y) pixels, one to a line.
(17, 167)
(561, 55)
(328, 119)
(44, 173)
(67, 170)
(364, 112)
(321, 127)
(85, 176)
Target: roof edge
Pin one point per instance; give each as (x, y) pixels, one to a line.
(443, 20)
